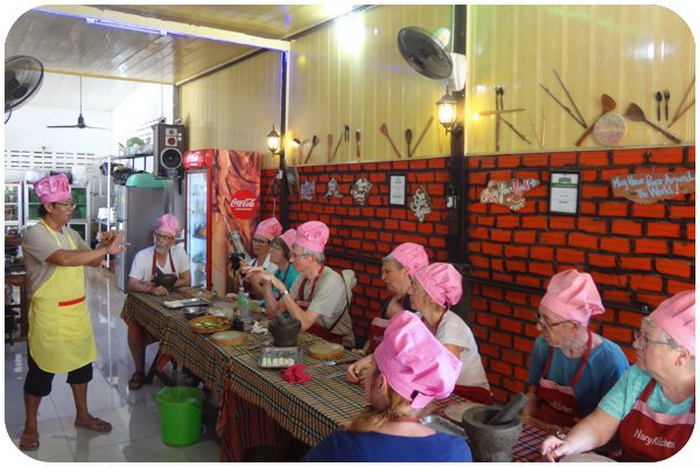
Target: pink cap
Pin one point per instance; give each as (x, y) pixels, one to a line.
(269, 229)
(573, 295)
(676, 316)
(412, 256)
(52, 188)
(442, 282)
(312, 235)
(415, 364)
(288, 237)
(168, 224)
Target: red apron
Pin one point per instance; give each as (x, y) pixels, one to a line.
(375, 333)
(321, 332)
(648, 436)
(557, 403)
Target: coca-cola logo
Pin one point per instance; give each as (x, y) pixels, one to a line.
(243, 204)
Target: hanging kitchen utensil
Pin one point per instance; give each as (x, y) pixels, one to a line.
(680, 114)
(335, 151)
(314, 143)
(515, 130)
(330, 147)
(677, 115)
(609, 129)
(409, 138)
(571, 99)
(498, 120)
(383, 129)
(357, 145)
(636, 114)
(579, 119)
(608, 104)
(658, 98)
(420, 138)
(667, 96)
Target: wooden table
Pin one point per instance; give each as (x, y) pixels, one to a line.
(256, 405)
(20, 280)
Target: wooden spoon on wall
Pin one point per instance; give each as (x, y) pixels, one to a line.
(385, 131)
(636, 114)
(608, 104)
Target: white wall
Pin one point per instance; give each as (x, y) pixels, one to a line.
(27, 130)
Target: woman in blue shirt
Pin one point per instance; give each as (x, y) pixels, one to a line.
(409, 368)
(279, 256)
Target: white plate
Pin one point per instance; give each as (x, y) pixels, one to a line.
(454, 412)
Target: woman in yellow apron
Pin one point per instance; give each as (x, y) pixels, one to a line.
(60, 332)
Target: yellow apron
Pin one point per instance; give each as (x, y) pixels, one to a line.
(60, 331)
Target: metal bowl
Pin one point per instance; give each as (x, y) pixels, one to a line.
(194, 311)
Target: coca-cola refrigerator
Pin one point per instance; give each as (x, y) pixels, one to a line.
(222, 200)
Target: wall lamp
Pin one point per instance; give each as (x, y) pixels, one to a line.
(273, 141)
(447, 112)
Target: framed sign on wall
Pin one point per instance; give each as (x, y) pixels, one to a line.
(397, 190)
(564, 192)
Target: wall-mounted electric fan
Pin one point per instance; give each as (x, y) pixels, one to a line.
(23, 78)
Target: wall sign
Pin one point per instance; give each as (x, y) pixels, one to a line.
(360, 191)
(652, 188)
(333, 189)
(421, 205)
(397, 190)
(509, 193)
(564, 192)
(307, 190)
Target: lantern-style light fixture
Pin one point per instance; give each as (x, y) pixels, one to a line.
(273, 141)
(447, 111)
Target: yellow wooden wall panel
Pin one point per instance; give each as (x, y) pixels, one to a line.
(334, 84)
(234, 108)
(627, 51)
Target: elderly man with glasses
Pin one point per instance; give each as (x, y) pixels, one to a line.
(571, 368)
(60, 331)
(651, 408)
(318, 297)
(156, 270)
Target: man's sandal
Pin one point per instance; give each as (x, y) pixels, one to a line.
(138, 379)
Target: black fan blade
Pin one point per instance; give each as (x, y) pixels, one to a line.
(62, 126)
(424, 53)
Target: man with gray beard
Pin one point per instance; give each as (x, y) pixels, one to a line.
(156, 270)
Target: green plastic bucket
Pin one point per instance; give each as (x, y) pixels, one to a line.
(180, 414)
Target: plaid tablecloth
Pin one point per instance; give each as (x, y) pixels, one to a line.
(527, 448)
(256, 406)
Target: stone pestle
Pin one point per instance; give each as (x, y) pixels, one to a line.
(509, 411)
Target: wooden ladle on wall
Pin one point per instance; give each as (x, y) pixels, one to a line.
(385, 131)
(608, 104)
(636, 114)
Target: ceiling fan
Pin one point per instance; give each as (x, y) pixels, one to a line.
(81, 121)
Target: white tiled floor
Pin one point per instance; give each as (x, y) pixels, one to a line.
(134, 415)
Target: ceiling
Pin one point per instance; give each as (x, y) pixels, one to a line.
(61, 38)
(91, 41)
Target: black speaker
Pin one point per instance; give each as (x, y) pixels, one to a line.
(168, 150)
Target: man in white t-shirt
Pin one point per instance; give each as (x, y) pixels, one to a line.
(156, 270)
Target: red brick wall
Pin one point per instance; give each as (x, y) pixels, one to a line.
(360, 236)
(638, 255)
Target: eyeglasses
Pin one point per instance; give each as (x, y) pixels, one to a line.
(66, 205)
(260, 240)
(546, 326)
(166, 238)
(299, 255)
(641, 337)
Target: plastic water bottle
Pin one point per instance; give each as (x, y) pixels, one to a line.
(239, 298)
(245, 311)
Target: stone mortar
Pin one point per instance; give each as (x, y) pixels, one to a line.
(490, 443)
